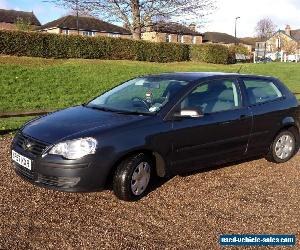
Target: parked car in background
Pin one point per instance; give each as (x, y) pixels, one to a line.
(158, 125)
(264, 60)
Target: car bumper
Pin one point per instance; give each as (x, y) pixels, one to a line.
(63, 180)
(56, 173)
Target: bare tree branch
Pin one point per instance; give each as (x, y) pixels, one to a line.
(265, 28)
(136, 14)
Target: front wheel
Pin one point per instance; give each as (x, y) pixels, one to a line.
(284, 147)
(132, 177)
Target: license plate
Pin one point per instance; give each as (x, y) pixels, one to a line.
(21, 160)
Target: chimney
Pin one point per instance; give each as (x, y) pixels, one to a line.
(192, 26)
(288, 30)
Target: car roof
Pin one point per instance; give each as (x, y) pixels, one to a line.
(194, 76)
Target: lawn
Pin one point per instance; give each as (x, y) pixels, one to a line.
(37, 84)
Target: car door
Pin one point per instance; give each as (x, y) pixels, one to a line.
(220, 135)
(265, 102)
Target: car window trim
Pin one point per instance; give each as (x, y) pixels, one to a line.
(169, 115)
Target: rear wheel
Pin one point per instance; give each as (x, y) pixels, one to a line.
(132, 177)
(284, 146)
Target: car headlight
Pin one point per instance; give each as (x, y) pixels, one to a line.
(75, 149)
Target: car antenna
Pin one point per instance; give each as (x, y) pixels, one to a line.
(240, 69)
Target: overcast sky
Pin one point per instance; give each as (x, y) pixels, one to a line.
(282, 12)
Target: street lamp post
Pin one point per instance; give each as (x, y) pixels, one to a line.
(236, 19)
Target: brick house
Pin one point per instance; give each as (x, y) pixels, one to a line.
(281, 44)
(9, 18)
(88, 26)
(172, 32)
(224, 39)
(287, 40)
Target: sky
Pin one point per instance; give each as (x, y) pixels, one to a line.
(282, 12)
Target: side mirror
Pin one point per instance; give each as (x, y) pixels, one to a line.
(190, 113)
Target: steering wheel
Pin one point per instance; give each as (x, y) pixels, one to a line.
(141, 101)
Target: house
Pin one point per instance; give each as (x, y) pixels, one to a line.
(281, 45)
(171, 32)
(10, 18)
(249, 41)
(285, 41)
(88, 26)
(224, 39)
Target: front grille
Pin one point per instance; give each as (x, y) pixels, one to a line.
(54, 181)
(31, 145)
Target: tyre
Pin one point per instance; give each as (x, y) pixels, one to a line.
(132, 177)
(284, 146)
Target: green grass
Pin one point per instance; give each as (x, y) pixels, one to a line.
(13, 123)
(37, 84)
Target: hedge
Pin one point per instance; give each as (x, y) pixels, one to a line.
(210, 53)
(38, 44)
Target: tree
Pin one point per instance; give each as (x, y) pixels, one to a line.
(137, 14)
(265, 28)
(82, 13)
(288, 45)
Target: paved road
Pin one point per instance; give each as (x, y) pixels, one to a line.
(185, 212)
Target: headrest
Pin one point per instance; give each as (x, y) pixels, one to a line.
(226, 95)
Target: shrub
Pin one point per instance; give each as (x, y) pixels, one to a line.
(239, 49)
(210, 53)
(37, 44)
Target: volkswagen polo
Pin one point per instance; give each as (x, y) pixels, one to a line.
(158, 125)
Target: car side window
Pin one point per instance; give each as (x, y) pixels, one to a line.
(214, 96)
(260, 91)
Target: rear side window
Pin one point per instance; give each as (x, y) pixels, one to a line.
(260, 91)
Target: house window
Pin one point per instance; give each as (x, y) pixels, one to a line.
(278, 43)
(114, 35)
(180, 39)
(194, 39)
(168, 38)
(88, 33)
(66, 32)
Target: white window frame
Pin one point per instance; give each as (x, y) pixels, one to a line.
(114, 35)
(66, 32)
(180, 39)
(194, 39)
(88, 33)
(168, 38)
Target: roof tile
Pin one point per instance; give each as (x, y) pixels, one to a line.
(12, 16)
(85, 23)
(217, 37)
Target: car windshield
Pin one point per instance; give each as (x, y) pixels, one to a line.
(144, 95)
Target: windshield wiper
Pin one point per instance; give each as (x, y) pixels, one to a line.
(125, 112)
(100, 108)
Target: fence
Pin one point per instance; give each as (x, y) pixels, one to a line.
(34, 113)
(20, 114)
